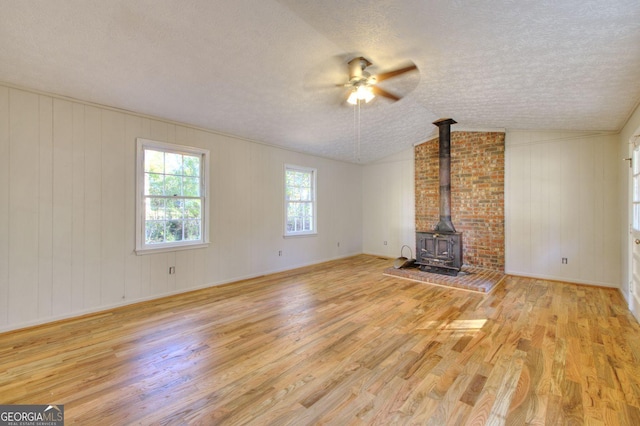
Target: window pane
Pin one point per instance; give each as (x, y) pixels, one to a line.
(193, 209)
(192, 230)
(191, 186)
(172, 185)
(191, 165)
(175, 209)
(153, 184)
(173, 164)
(153, 161)
(295, 193)
(174, 230)
(154, 208)
(306, 180)
(154, 232)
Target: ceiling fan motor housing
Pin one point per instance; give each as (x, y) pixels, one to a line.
(356, 68)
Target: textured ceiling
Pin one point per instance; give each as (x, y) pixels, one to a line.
(267, 70)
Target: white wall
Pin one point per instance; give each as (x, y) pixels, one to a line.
(388, 212)
(67, 178)
(561, 201)
(631, 128)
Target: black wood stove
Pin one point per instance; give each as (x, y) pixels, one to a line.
(440, 250)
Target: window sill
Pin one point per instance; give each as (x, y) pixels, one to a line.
(306, 234)
(165, 249)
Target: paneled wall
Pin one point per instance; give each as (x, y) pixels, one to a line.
(388, 205)
(67, 212)
(563, 203)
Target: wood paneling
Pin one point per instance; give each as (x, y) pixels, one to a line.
(388, 205)
(4, 202)
(45, 208)
(24, 125)
(63, 208)
(562, 203)
(112, 201)
(67, 210)
(339, 343)
(78, 212)
(132, 263)
(92, 207)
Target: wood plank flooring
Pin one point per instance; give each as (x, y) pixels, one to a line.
(340, 344)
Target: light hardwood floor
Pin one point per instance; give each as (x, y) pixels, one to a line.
(339, 343)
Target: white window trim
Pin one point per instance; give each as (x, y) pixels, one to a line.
(314, 201)
(141, 247)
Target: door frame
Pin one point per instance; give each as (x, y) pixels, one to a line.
(633, 301)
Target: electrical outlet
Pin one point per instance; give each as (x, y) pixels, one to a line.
(172, 270)
(385, 243)
(338, 243)
(279, 252)
(565, 261)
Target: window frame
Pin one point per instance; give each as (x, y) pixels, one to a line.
(142, 247)
(635, 186)
(313, 201)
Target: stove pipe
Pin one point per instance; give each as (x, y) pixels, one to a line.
(444, 127)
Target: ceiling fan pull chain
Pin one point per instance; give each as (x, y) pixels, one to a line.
(355, 133)
(358, 159)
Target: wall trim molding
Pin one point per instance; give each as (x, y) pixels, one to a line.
(106, 308)
(434, 133)
(160, 119)
(561, 279)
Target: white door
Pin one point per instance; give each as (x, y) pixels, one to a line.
(634, 286)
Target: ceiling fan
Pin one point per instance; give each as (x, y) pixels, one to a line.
(363, 86)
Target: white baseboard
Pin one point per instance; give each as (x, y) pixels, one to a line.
(563, 279)
(102, 308)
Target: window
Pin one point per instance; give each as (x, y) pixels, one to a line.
(172, 200)
(299, 200)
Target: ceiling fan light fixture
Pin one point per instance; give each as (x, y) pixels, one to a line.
(365, 93)
(361, 93)
(353, 97)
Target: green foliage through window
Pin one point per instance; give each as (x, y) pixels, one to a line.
(299, 200)
(173, 209)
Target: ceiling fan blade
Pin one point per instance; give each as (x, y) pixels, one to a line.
(394, 73)
(381, 92)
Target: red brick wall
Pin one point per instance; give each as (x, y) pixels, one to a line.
(477, 194)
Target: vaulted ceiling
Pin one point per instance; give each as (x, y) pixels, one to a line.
(269, 70)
